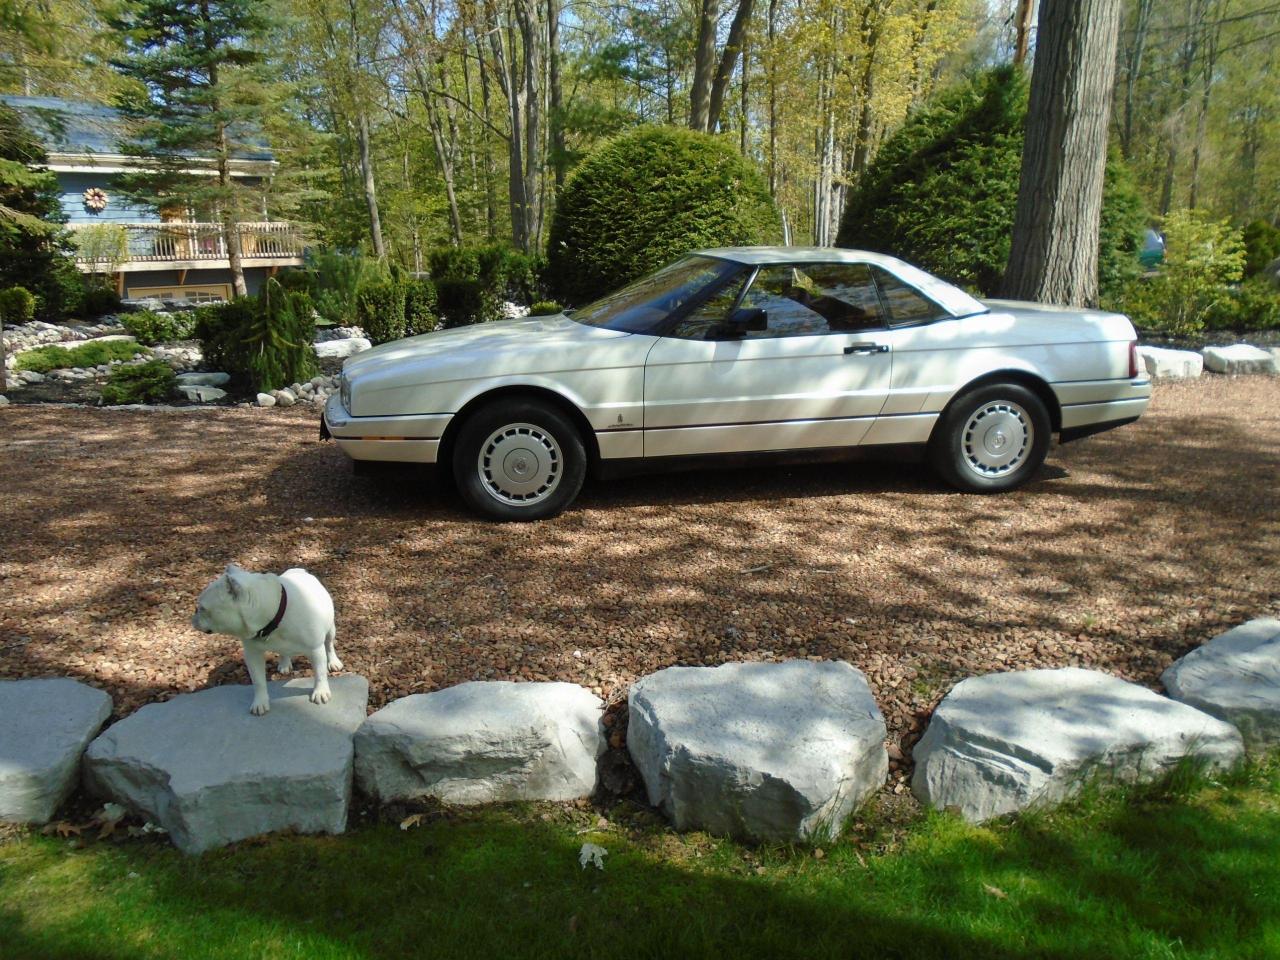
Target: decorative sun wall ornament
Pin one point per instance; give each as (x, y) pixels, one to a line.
(95, 199)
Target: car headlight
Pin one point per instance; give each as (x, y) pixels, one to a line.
(345, 392)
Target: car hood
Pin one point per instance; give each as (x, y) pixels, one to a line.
(516, 346)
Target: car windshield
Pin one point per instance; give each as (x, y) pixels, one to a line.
(641, 307)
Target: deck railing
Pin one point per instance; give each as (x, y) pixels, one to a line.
(167, 242)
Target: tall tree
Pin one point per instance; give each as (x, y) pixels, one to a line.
(196, 95)
(1054, 252)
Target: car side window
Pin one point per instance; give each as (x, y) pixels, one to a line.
(704, 322)
(814, 299)
(906, 304)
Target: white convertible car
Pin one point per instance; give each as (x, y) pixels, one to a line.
(783, 351)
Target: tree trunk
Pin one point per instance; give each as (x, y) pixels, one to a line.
(370, 192)
(1054, 252)
(773, 100)
(704, 66)
(559, 157)
(230, 228)
(1133, 67)
(728, 60)
(1211, 39)
(1023, 25)
(528, 16)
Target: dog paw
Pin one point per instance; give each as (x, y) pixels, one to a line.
(335, 664)
(320, 696)
(260, 707)
(286, 666)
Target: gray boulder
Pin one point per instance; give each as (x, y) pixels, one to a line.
(1235, 677)
(204, 769)
(767, 751)
(200, 393)
(44, 727)
(483, 742)
(1162, 364)
(265, 400)
(346, 347)
(203, 379)
(1239, 358)
(1008, 741)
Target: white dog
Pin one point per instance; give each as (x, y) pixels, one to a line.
(290, 614)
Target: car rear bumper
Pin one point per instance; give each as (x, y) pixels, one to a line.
(408, 439)
(1098, 405)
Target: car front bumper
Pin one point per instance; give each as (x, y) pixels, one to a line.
(407, 439)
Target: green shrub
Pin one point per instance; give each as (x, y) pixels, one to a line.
(380, 309)
(644, 198)
(17, 305)
(545, 308)
(942, 191)
(150, 382)
(1261, 246)
(420, 306)
(1251, 305)
(99, 300)
(1203, 258)
(334, 281)
(471, 283)
(152, 328)
(264, 342)
(89, 354)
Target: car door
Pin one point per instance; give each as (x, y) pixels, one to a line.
(817, 375)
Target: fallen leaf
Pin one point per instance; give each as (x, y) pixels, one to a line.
(995, 892)
(413, 820)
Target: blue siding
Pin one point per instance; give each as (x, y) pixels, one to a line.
(71, 188)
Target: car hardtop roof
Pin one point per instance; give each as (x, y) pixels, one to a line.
(759, 255)
(951, 298)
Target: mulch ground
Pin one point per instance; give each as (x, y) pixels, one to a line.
(1129, 549)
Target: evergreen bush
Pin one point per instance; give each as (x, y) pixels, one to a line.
(942, 191)
(380, 309)
(545, 308)
(152, 328)
(98, 300)
(646, 197)
(420, 306)
(472, 283)
(263, 341)
(92, 353)
(17, 305)
(1261, 246)
(150, 382)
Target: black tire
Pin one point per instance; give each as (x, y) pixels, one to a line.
(973, 459)
(545, 450)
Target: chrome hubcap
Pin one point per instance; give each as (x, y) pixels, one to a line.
(997, 439)
(520, 464)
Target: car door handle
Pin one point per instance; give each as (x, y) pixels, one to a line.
(866, 348)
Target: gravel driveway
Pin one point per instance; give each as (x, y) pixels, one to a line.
(1131, 547)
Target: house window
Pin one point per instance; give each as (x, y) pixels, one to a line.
(202, 293)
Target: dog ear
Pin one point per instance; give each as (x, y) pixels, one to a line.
(235, 586)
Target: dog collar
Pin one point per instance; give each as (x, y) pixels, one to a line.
(275, 621)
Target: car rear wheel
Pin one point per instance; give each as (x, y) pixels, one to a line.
(519, 460)
(991, 439)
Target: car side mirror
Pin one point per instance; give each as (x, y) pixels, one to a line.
(743, 320)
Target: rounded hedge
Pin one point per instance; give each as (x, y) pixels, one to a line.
(642, 199)
(942, 191)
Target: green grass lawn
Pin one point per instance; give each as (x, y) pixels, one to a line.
(1175, 872)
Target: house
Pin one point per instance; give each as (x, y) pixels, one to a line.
(171, 254)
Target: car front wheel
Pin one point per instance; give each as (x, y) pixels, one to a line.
(519, 460)
(991, 439)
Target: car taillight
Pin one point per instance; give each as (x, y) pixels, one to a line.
(1133, 359)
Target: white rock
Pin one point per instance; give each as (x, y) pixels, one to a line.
(201, 394)
(1162, 364)
(285, 398)
(44, 727)
(483, 742)
(113, 336)
(767, 751)
(1238, 358)
(265, 400)
(207, 771)
(342, 348)
(203, 379)
(1235, 677)
(4, 401)
(1008, 741)
(1275, 356)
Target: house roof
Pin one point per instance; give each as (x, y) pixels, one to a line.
(76, 127)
